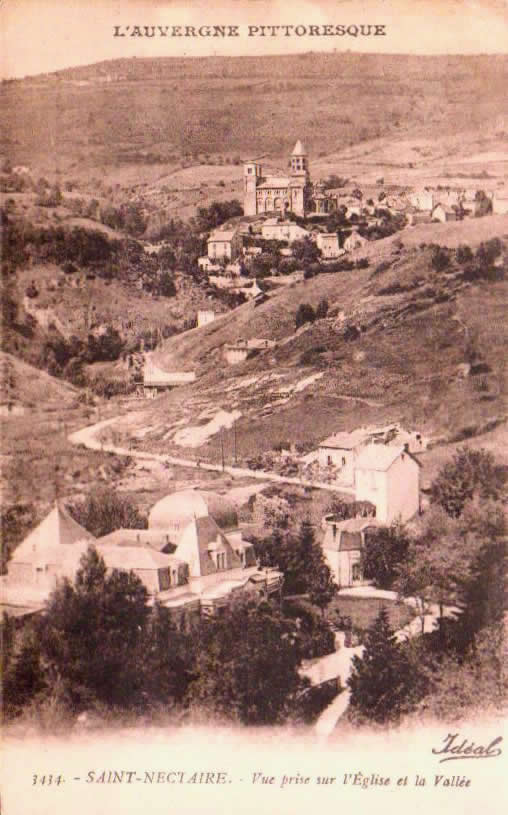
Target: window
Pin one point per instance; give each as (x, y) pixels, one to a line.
(329, 461)
(249, 170)
(356, 573)
(343, 461)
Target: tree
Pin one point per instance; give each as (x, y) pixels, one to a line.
(304, 314)
(385, 549)
(93, 635)
(103, 511)
(166, 287)
(381, 682)
(322, 309)
(301, 560)
(305, 250)
(168, 659)
(435, 566)
(23, 679)
(247, 665)
(482, 529)
(470, 473)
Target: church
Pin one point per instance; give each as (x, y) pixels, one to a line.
(280, 194)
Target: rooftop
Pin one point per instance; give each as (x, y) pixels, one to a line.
(378, 457)
(222, 235)
(345, 441)
(299, 149)
(58, 528)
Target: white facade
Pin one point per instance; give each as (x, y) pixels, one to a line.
(500, 204)
(341, 451)
(443, 213)
(275, 230)
(328, 243)
(224, 244)
(354, 241)
(388, 477)
(342, 547)
(205, 317)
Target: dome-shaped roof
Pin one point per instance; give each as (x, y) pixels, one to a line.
(173, 512)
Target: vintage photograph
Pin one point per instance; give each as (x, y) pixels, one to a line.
(253, 406)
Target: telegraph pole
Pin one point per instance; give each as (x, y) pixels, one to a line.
(222, 447)
(234, 441)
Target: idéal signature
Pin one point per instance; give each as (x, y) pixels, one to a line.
(455, 747)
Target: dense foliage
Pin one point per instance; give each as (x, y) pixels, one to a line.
(103, 511)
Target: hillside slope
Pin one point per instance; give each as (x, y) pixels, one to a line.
(393, 346)
(81, 120)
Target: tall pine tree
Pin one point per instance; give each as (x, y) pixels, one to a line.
(382, 680)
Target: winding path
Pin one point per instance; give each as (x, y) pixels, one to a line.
(87, 437)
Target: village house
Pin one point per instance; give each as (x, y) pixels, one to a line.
(342, 547)
(207, 265)
(341, 451)
(354, 241)
(224, 244)
(500, 202)
(275, 230)
(156, 381)
(328, 243)
(205, 316)
(423, 200)
(244, 349)
(388, 477)
(415, 217)
(443, 213)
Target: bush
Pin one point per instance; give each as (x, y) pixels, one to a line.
(305, 314)
(322, 309)
(440, 259)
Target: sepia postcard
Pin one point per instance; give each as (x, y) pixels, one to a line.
(253, 406)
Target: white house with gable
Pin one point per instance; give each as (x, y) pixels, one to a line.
(388, 477)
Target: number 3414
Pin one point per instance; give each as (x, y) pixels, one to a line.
(47, 780)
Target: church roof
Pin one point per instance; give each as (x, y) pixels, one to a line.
(274, 182)
(299, 149)
(57, 528)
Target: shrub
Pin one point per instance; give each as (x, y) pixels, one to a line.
(305, 314)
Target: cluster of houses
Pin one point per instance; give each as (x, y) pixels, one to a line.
(380, 467)
(270, 196)
(192, 558)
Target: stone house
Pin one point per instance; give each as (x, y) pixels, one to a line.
(443, 213)
(354, 241)
(342, 547)
(224, 244)
(341, 451)
(388, 477)
(274, 229)
(328, 243)
(500, 202)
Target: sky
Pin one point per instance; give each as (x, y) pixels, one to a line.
(38, 36)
